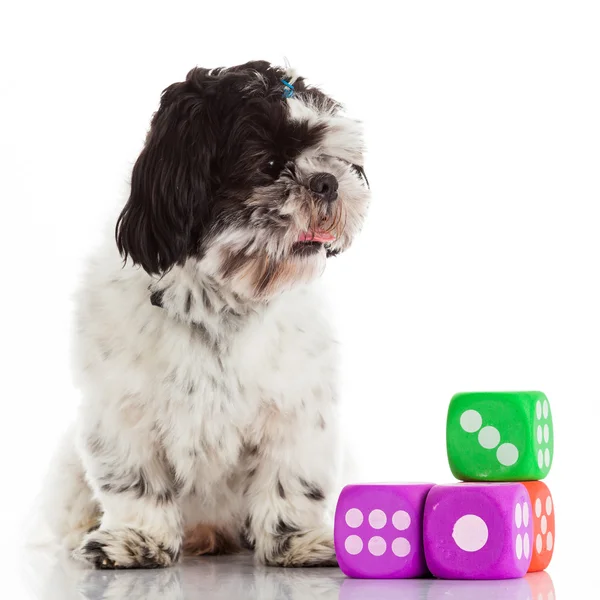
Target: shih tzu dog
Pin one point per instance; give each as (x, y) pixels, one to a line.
(204, 350)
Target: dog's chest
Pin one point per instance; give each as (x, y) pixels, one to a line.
(281, 357)
(280, 364)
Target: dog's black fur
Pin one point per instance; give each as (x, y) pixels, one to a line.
(216, 136)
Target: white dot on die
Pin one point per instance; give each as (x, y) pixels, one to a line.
(540, 459)
(547, 457)
(546, 409)
(518, 516)
(526, 545)
(519, 546)
(539, 434)
(549, 541)
(549, 505)
(401, 547)
(471, 421)
(353, 545)
(354, 518)
(489, 437)
(377, 519)
(538, 508)
(544, 524)
(538, 409)
(538, 543)
(546, 434)
(470, 533)
(507, 454)
(526, 514)
(377, 546)
(550, 595)
(401, 520)
(540, 596)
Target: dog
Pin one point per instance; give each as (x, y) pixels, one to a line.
(204, 348)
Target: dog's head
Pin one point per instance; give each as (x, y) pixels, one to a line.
(256, 187)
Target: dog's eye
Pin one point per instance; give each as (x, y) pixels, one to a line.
(361, 173)
(273, 168)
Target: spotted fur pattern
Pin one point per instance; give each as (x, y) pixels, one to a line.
(209, 369)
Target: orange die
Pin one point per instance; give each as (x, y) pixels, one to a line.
(543, 525)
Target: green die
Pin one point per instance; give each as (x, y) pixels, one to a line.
(500, 436)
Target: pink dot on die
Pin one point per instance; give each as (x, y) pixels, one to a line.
(525, 514)
(519, 546)
(470, 533)
(377, 519)
(377, 546)
(354, 518)
(401, 520)
(401, 547)
(353, 544)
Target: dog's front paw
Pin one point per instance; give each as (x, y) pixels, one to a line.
(125, 549)
(313, 548)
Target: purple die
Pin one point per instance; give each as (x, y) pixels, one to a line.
(379, 530)
(478, 531)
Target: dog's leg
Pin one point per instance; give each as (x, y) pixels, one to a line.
(141, 520)
(293, 474)
(68, 509)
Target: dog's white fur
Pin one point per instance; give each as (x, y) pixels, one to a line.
(151, 387)
(249, 431)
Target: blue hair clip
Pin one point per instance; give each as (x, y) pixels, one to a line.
(288, 92)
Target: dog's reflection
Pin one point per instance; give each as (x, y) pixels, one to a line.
(231, 578)
(236, 577)
(58, 577)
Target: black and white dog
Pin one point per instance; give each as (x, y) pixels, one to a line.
(207, 362)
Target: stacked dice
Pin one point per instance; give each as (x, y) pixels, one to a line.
(497, 524)
(497, 437)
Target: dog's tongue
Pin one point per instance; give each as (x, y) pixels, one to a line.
(324, 237)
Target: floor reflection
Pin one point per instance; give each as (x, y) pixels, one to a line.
(59, 578)
(536, 586)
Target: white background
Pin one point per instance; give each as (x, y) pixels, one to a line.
(478, 268)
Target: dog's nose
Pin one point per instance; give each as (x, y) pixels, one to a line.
(324, 185)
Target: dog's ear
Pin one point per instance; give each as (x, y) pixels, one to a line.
(164, 218)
